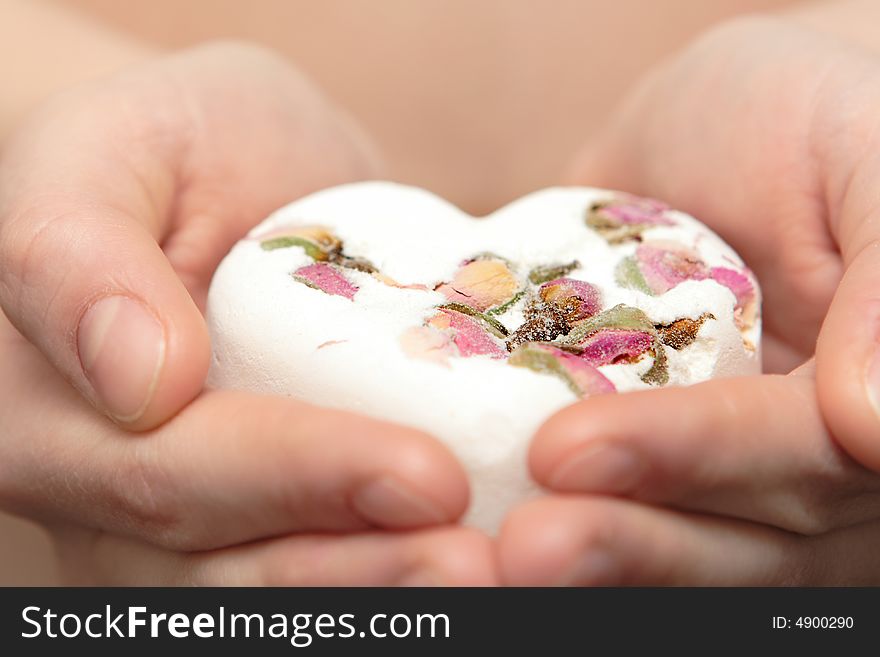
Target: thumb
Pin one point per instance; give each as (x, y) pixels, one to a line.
(848, 348)
(83, 276)
(848, 358)
(116, 191)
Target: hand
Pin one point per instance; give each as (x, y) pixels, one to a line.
(767, 132)
(116, 203)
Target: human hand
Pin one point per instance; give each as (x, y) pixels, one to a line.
(236, 489)
(766, 131)
(117, 201)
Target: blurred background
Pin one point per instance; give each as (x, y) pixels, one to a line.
(478, 100)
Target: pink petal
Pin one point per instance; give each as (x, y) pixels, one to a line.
(736, 282)
(633, 210)
(427, 344)
(471, 338)
(666, 264)
(585, 376)
(567, 288)
(326, 278)
(610, 346)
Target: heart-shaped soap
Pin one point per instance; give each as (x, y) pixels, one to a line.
(386, 300)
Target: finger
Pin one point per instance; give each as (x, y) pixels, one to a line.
(105, 175)
(229, 468)
(86, 281)
(752, 448)
(848, 349)
(589, 541)
(848, 359)
(440, 557)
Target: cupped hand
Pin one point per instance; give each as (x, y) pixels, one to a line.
(117, 201)
(766, 131)
(235, 489)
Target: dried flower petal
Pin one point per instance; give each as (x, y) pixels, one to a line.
(468, 335)
(746, 300)
(352, 262)
(615, 346)
(583, 379)
(427, 344)
(545, 273)
(327, 278)
(664, 265)
(318, 242)
(628, 322)
(626, 217)
(481, 284)
(658, 375)
(682, 332)
(619, 317)
(627, 275)
(576, 300)
(489, 323)
(503, 308)
(544, 325)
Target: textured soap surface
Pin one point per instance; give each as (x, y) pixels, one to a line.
(386, 300)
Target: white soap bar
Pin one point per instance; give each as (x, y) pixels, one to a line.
(386, 300)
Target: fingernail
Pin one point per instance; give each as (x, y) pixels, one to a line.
(387, 501)
(599, 467)
(596, 568)
(420, 578)
(872, 381)
(121, 349)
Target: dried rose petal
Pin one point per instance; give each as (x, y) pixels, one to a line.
(544, 273)
(620, 317)
(576, 299)
(544, 323)
(427, 344)
(582, 378)
(353, 262)
(742, 288)
(664, 265)
(317, 241)
(658, 375)
(482, 284)
(615, 346)
(625, 320)
(390, 282)
(468, 335)
(630, 209)
(488, 323)
(324, 277)
(626, 217)
(627, 275)
(682, 332)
